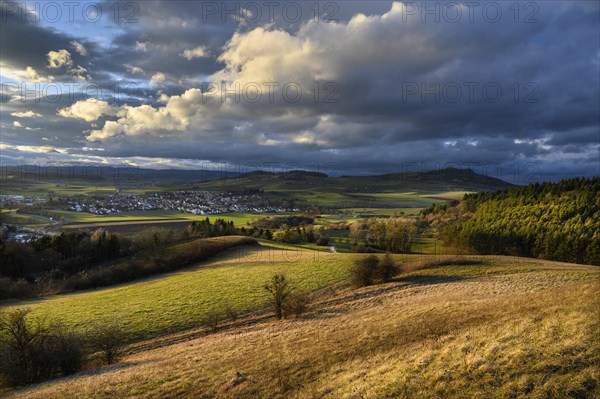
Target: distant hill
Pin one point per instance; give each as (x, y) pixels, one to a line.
(301, 180)
(290, 189)
(95, 174)
(447, 175)
(107, 174)
(301, 175)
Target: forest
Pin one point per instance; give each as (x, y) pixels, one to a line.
(554, 221)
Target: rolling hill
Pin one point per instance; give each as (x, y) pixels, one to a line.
(396, 190)
(297, 180)
(503, 328)
(179, 300)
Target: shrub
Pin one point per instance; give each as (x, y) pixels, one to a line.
(10, 288)
(297, 303)
(31, 351)
(212, 319)
(387, 268)
(107, 337)
(231, 312)
(19, 343)
(69, 350)
(365, 271)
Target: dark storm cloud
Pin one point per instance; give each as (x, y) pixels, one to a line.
(395, 86)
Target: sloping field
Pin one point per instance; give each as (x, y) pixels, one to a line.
(495, 330)
(175, 301)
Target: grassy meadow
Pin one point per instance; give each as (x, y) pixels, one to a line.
(503, 328)
(179, 300)
(238, 218)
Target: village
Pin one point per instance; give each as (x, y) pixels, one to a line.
(194, 202)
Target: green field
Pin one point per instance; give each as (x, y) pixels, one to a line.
(35, 189)
(179, 300)
(22, 219)
(239, 218)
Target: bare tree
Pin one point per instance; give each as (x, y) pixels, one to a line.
(279, 290)
(35, 350)
(212, 319)
(108, 337)
(231, 312)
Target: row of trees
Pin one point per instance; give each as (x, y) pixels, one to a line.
(159, 257)
(71, 252)
(299, 231)
(204, 228)
(303, 234)
(556, 221)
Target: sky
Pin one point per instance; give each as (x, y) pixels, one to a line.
(508, 89)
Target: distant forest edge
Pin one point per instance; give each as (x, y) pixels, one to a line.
(554, 221)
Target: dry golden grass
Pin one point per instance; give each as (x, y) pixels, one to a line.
(497, 330)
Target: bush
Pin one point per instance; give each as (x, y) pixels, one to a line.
(212, 319)
(297, 303)
(365, 271)
(31, 352)
(387, 268)
(231, 312)
(107, 337)
(69, 349)
(20, 288)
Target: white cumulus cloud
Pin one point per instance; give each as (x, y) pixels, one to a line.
(134, 69)
(88, 110)
(58, 59)
(197, 52)
(80, 48)
(26, 114)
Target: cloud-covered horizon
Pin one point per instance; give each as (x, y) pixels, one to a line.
(366, 86)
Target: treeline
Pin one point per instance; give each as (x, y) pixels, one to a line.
(303, 234)
(75, 261)
(205, 228)
(554, 221)
(65, 253)
(279, 221)
(39, 267)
